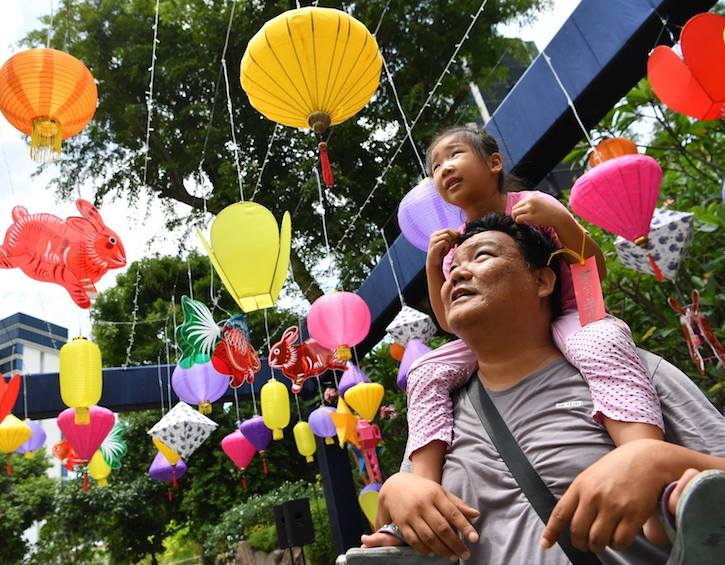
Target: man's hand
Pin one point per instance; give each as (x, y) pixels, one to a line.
(428, 515)
(536, 210)
(608, 503)
(439, 244)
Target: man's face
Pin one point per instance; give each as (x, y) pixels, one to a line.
(488, 278)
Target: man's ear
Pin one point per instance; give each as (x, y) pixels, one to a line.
(546, 281)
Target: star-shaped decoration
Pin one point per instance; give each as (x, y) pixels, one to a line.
(345, 422)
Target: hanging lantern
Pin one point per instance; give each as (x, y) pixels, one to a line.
(275, 407)
(693, 84)
(198, 335)
(611, 148)
(183, 429)
(339, 321)
(169, 454)
(365, 399)
(369, 436)
(305, 440)
(250, 253)
(199, 384)
(85, 439)
(415, 350)
(114, 447)
(345, 422)
(48, 95)
(8, 394)
(352, 376)
(235, 355)
(259, 435)
(74, 253)
(368, 499)
(13, 434)
(36, 440)
(240, 450)
(321, 423)
(99, 470)
(68, 458)
(422, 211)
(161, 470)
(311, 67)
(81, 376)
(411, 324)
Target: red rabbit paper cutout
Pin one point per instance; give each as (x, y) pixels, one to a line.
(74, 253)
(300, 361)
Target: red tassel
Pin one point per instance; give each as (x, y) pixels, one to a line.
(244, 482)
(8, 468)
(173, 477)
(326, 168)
(168, 493)
(655, 268)
(85, 481)
(264, 464)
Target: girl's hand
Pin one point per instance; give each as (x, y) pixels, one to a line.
(440, 243)
(538, 211)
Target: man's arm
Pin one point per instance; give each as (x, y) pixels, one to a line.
(608, 503)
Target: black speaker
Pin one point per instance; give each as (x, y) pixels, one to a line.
(279, 521)
(297, 522)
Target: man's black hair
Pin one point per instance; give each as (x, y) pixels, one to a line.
(534, 245)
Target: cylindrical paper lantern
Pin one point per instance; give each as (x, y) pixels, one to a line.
(275, 407)
(81, 376)
(305, 440)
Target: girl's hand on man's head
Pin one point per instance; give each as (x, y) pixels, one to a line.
(439, 245)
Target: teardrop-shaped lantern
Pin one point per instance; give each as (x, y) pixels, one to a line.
(48, 95)
(365, 399)
(240, 450)
(339, 321)
(81, 376)
(305, 440)
(413, 351)
(275, 407)
(85, 439)
(352, 376)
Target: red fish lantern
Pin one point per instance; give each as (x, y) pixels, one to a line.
(234, 355)
(74, 253)
(69, 458)
(693, 85)
(300, 361)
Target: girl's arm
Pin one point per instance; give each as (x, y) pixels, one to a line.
(546, 210)
(428, 460)
(441, 242)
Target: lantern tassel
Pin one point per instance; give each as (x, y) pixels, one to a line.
(85, 481)
(45, 140)
(8, 468)
(265, 466)
(325, 163)
(173, 477)
(244, 481)
(655, 267)
(168, 494)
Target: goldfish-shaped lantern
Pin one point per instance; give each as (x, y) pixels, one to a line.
(74, 253)
(234, 355)
(300, 361)
(250, 253)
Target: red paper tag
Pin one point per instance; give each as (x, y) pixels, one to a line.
(588, 291)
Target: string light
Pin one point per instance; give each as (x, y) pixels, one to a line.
(150, 95)
(134, 318)
(272, 138)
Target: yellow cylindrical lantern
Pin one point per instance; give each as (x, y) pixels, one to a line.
(275, 407)
(99, 469)
(81, 377)
(13, 434)
(365, 399)
(171, 456)
(305, 440)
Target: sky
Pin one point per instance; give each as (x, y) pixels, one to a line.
(18, 186)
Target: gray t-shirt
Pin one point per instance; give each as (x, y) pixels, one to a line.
(549, 413)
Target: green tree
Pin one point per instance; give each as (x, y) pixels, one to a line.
(27, 497)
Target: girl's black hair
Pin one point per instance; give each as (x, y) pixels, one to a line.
(483, 144)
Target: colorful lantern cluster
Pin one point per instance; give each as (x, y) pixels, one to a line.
(74, 253)
(81, 377)
(422, 211)
(48, 95)
(339, 321)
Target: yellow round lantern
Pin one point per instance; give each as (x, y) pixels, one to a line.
(365, 398)
(13, 434)
(81, 377)
(99, 469)
(305, 440)
(275, 407)
(48, 95)
(171, 456)
(311, 67)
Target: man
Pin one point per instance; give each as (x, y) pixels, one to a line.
(501, 307)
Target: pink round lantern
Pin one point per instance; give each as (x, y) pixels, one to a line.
(619, 196)
(86, 439)
(240, 450)
(200, 384)
(339, 321)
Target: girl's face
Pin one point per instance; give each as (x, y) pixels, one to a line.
(460, 176)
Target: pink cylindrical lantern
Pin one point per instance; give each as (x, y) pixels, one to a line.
(86, 439)
(321, 423)
(240, 450)
(200, 384)
(350, 377)
(259, 435)
(619, 196)
(339, 321)
(422, 211)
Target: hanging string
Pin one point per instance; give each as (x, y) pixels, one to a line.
(299, 411)
(266, 160)
(269, 341)
(236, 406)
(150, 94)
(334, 376)
(50, 26)
(134, 318)
(380, 21)
(161, 386)
(322, 211)
(188, 272)
(173, 317)
(67, 26)
(354, 352)
(10, 175)
(23, 378)
(319, 389)
(168, 366)
(392, 268)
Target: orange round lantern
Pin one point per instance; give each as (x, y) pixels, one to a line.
(48, 95)
(397, 351)
(610, 148)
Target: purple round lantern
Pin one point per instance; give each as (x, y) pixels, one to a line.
(162, 470)
(36, 440)
(422, 211)
(352, 376)
(259, 435)
(322, 424)
(371, 487)
(200, 384)
(414, 350)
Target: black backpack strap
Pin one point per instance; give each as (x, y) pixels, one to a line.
(538, 494)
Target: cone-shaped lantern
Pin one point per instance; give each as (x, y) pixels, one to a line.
(365, 399)
(240, 450)
(85, 439)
